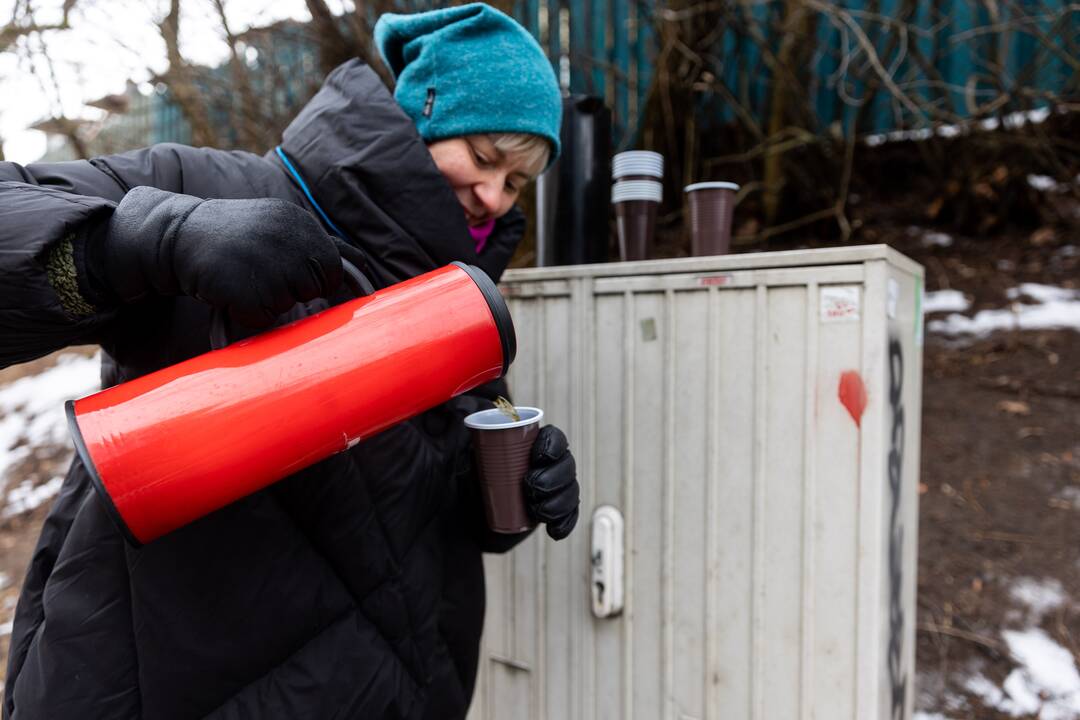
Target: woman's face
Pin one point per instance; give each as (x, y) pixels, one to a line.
(486, 181)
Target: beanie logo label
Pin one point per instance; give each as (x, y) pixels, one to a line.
(429, 104)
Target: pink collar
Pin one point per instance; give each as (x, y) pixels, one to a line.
(480, 233)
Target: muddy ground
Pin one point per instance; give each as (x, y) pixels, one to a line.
(1000, 494)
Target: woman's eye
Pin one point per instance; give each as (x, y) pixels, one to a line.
(481, 159)
(511, 188)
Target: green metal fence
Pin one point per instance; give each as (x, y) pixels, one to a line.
(932, 60)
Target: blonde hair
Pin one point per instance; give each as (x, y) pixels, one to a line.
(533, 149)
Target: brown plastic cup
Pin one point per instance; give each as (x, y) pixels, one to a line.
(635, 223)
(712, 205)
(502, 449)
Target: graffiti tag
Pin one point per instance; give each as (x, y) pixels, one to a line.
(897, 673)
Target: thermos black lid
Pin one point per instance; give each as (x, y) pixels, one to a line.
(499, 311)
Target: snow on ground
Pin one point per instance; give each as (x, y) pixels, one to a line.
(1039, 596)
(1046, 682)
(1070, 494)
(937, 239)
(1047, 184)
(32, 414)
(1010, 121)
(930, 238)
(1034, 307)
(1043, 183)
(945, 301)
(26, 496)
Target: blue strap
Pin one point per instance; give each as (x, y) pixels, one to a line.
(311, 198)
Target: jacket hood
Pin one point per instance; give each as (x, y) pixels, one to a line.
(370, 171)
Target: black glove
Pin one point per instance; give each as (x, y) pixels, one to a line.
(551, 486)
(255, 258)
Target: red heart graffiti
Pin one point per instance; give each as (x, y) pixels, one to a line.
(853, 394)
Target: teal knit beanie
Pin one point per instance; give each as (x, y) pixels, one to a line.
(470, 69)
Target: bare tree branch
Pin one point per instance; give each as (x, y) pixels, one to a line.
(334, 46)
(181, 81)
(246, 116)
(59, 123)
(795, 30)
(365, 39)
(16, 28)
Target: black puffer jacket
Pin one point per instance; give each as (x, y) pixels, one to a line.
(353, 589)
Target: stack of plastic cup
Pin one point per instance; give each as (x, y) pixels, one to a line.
(711, 207)
(637, 193)
(637, 165)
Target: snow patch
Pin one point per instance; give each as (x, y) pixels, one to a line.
(1048, 673)
(1045, 684)
(1054, 308)
(1040, 596)
(979, 685)
(945, 301)
(937, 239)
(1041, 293)
(1017, 119)
(1071, 494)
(26, 496)
(1010, 122)
(1046, 184)
(32, 414)
(1022, 700)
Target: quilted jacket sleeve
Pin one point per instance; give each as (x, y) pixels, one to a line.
(44, 303)
(50, 214)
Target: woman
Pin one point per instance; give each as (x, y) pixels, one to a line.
(353, 588)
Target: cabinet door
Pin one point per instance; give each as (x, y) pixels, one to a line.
(696, 404)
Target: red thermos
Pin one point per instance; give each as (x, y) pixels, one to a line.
(172, 446)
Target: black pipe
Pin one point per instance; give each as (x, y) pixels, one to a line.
(574, 195)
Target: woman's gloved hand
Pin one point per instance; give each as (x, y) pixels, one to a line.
(551, 486)
(255, 258)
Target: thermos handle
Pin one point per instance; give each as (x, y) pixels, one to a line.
(219, 319)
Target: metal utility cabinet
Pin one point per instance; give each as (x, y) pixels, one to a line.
(753, 421)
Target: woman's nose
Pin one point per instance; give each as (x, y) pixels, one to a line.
(489, 193)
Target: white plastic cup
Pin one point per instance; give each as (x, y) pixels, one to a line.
(627, 190)
(637, 162)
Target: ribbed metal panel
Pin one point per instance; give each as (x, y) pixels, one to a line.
(701, 400)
